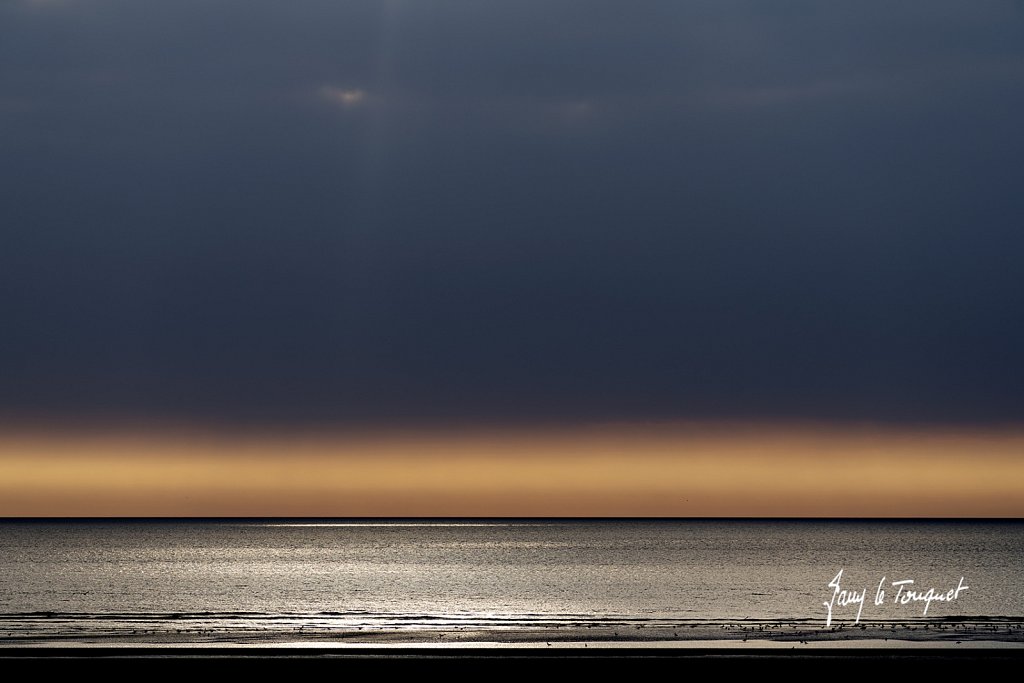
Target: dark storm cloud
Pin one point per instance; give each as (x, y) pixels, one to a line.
(489, 210)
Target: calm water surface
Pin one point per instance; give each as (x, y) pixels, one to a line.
(531, 570)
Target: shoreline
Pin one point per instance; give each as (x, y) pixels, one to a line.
(329, 647)
(17, 631)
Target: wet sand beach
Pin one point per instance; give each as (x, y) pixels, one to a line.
(51, 629)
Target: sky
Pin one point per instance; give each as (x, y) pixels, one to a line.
(319, 220)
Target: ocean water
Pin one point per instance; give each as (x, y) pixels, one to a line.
(355, 574)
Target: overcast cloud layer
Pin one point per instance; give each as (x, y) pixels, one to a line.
(352, 211)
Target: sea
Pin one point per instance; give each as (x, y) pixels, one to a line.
(78, 579)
